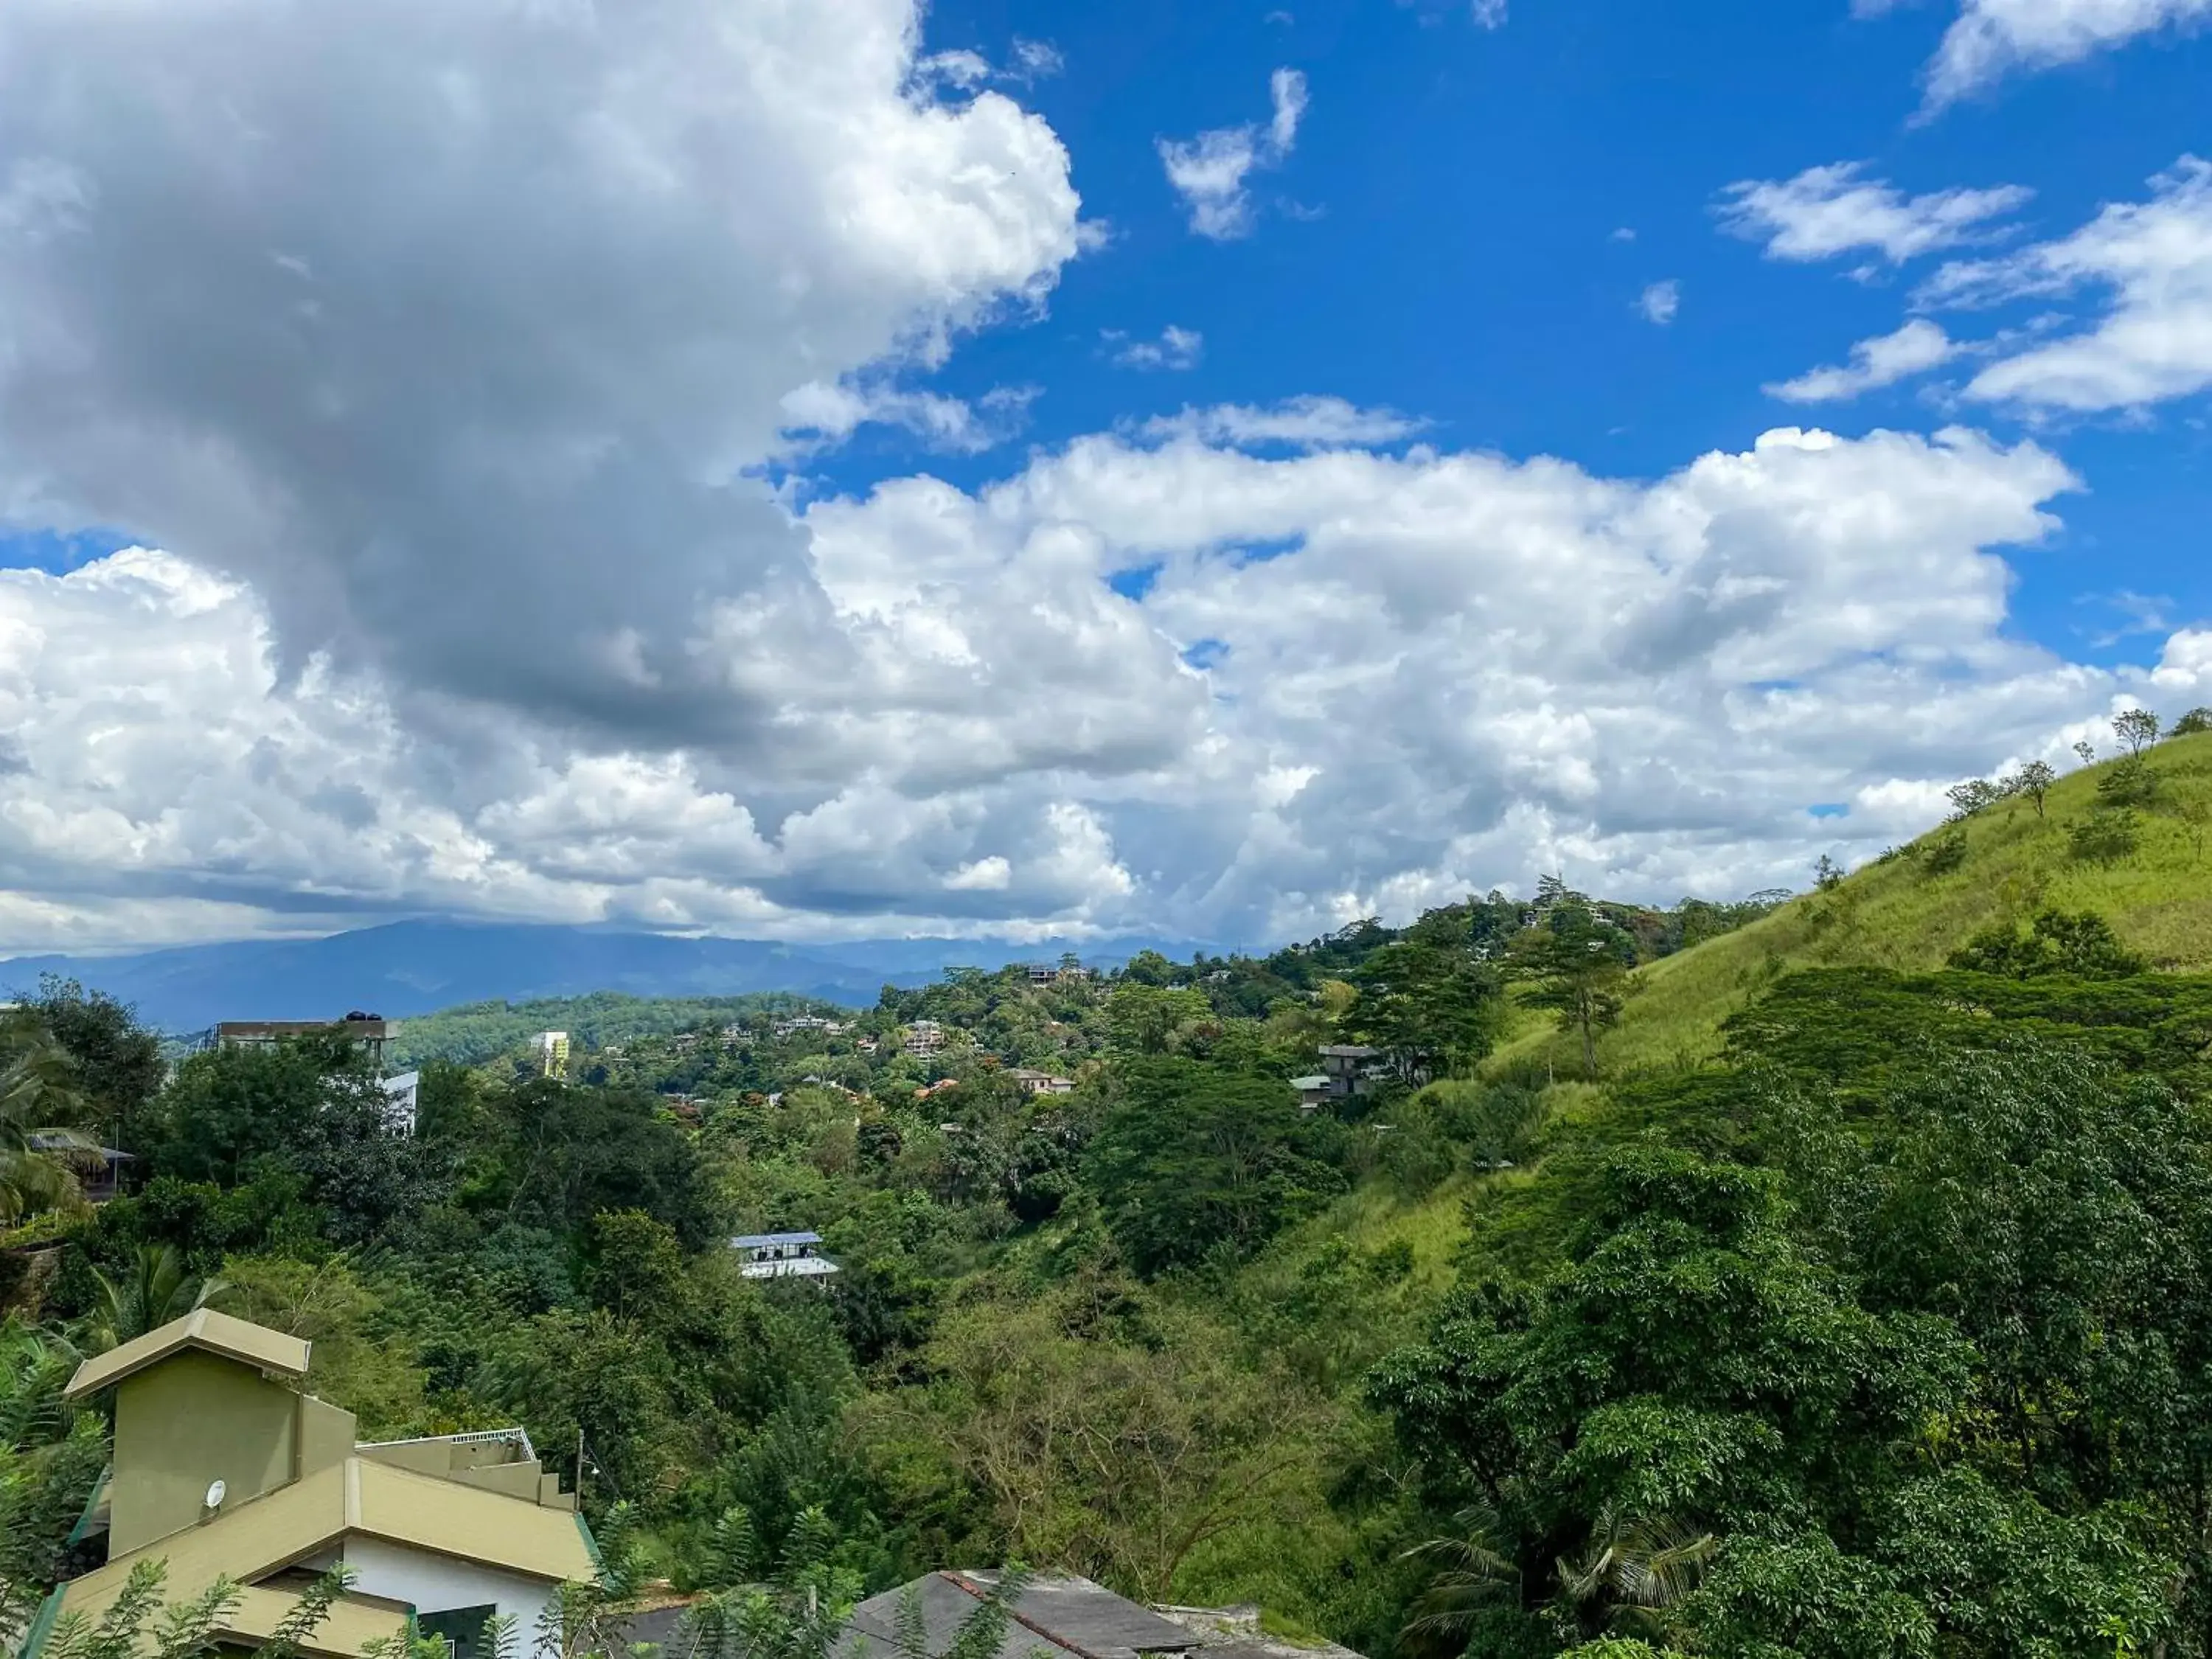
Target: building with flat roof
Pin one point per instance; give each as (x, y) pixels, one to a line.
(551, 1049)
(371, 1030)
(224, 1469)
(782, 1255)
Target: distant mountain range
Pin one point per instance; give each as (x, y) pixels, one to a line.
(415, 966)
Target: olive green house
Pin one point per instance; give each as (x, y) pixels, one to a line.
(223, 1468)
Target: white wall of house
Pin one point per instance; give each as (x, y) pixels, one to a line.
(438, 1583)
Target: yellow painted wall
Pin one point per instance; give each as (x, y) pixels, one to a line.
(191, 1420)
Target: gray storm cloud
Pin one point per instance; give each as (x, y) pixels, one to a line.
(454, 325)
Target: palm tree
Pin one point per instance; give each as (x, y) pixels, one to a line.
(41, 1149)
(1474, 1576)
(48, 1462)
(35, 1367)
(1635, 1570)
(151, 1292)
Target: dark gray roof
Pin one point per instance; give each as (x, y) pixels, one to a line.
(1059, 1614)
(750, 1240)
(657, 1626)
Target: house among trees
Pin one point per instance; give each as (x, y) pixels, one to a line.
(924, 1036)
(223, 1469)
(98, 1170)
(1348, 1067)
(551, 1049)
(372, 1031)
(403, 1102)
(1030, 1081)
(781, 1255)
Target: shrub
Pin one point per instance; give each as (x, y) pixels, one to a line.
(2080, 944)
(2108, 835)
(1945, 853)
(2130, 782)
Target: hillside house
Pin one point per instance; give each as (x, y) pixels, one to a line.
(1314, 1091)
(924, 1036)
(224, 1469)
(1030, 1081)
(403, 1102)
(1350, 1067)
(372, 1031)
(782, 1255)
(98, 1170)
(801, 1024)
(551, 1049)
(1064, 1616)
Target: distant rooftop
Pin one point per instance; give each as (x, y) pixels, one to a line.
(1058, 1615)
(756, 1240)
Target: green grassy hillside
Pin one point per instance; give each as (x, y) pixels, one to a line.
(1902, 913)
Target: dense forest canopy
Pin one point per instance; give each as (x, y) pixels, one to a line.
(1883, 1327)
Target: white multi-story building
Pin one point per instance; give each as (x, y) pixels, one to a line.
(782, 1255)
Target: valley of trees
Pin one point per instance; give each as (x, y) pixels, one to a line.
(1885, 1330)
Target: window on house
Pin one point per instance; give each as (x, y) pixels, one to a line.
(460, 1629)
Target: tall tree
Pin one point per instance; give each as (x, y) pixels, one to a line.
(118, 1059)
(1190, 1160)
(2137, 728)
(1575, 962)
(1432, 1008)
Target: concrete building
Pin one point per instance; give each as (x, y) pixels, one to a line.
(782, 1255)
(372, 1031)
(1350, 1067)
(924, 1036)
(223, 1469)
(551, 1049)
(1031, 1081)
(402, 1096)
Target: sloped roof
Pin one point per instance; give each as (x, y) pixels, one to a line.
(358, 1497)
(749, 1240)
(204, 1328)
(1059, 1613)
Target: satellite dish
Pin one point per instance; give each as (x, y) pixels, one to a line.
(216, 1492)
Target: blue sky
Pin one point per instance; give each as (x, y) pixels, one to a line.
(834, 471)
(1466, 185)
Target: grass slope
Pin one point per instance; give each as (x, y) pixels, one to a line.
(1899, 915)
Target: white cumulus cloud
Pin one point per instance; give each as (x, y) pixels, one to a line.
(2148, 263)
(1917, 347)
(1991, 39)
(1209, 172)
(1660, 302)
(1304, 422)
(414, 314)
(1175, 349)
(1351, 680)
(1835, 209)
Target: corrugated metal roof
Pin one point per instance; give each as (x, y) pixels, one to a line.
(1061, 1613)
(204, 1329)
(751, 1240)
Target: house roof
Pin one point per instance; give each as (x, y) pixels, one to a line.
(356, 1497)
(1069, 1617)
(203, 1329)
(1318, 1081)
(749, 1241)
